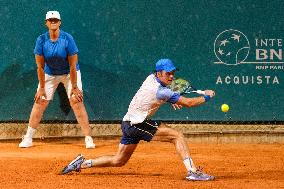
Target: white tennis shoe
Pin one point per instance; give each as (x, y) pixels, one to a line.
(26, 142)
(89, 142)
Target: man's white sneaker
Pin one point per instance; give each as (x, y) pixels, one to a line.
(89, 142)
(26, 142)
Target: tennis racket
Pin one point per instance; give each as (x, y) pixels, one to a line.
(183, 86)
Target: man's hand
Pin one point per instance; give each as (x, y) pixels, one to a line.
(210, 93)
(77, 94)
(176, 106)
(40, 95)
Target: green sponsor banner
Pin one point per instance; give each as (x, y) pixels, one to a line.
(232, 47)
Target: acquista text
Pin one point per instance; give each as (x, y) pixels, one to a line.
(246, 80)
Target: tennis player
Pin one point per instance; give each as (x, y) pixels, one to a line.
(57, 62)
(137, 125)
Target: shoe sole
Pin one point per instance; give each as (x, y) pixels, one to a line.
(77, 170)
(90, 147)
(194, 179)
(25, 146)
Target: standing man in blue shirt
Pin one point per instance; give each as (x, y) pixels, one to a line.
(56, 56)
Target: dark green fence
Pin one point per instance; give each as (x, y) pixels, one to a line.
(233, 47)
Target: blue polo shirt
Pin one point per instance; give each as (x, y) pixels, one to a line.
(56, 53)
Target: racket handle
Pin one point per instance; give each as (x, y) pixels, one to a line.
(200, 92)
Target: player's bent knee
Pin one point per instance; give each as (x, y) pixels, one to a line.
(180, 135)
(119, 162)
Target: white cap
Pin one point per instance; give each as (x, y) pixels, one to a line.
(52, 14)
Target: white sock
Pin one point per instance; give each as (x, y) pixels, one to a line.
(87, 164)
(189, 164)
(30, 132)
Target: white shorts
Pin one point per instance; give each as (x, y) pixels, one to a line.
(52, 82)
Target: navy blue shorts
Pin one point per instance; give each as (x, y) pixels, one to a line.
(132, 134)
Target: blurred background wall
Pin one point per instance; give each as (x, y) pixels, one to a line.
(233, 47)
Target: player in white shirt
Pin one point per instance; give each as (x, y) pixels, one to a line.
(137, 125)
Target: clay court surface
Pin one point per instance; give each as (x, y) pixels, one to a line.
(153, 165)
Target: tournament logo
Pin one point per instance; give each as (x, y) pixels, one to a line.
(231, 47)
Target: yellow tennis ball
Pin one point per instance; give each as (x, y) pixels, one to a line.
(225, 107)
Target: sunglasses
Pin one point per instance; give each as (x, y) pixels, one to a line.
(53, 20)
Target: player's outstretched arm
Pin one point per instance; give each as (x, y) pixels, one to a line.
(195, 101)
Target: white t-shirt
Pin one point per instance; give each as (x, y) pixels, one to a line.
(147, 100)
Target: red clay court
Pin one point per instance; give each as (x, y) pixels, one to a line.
(153, 165)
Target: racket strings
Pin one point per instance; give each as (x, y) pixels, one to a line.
(180, 86)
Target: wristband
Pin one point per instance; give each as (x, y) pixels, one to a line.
(207, 98)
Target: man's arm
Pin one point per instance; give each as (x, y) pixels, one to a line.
(73, 59)
(195, 101)
(41, 77)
